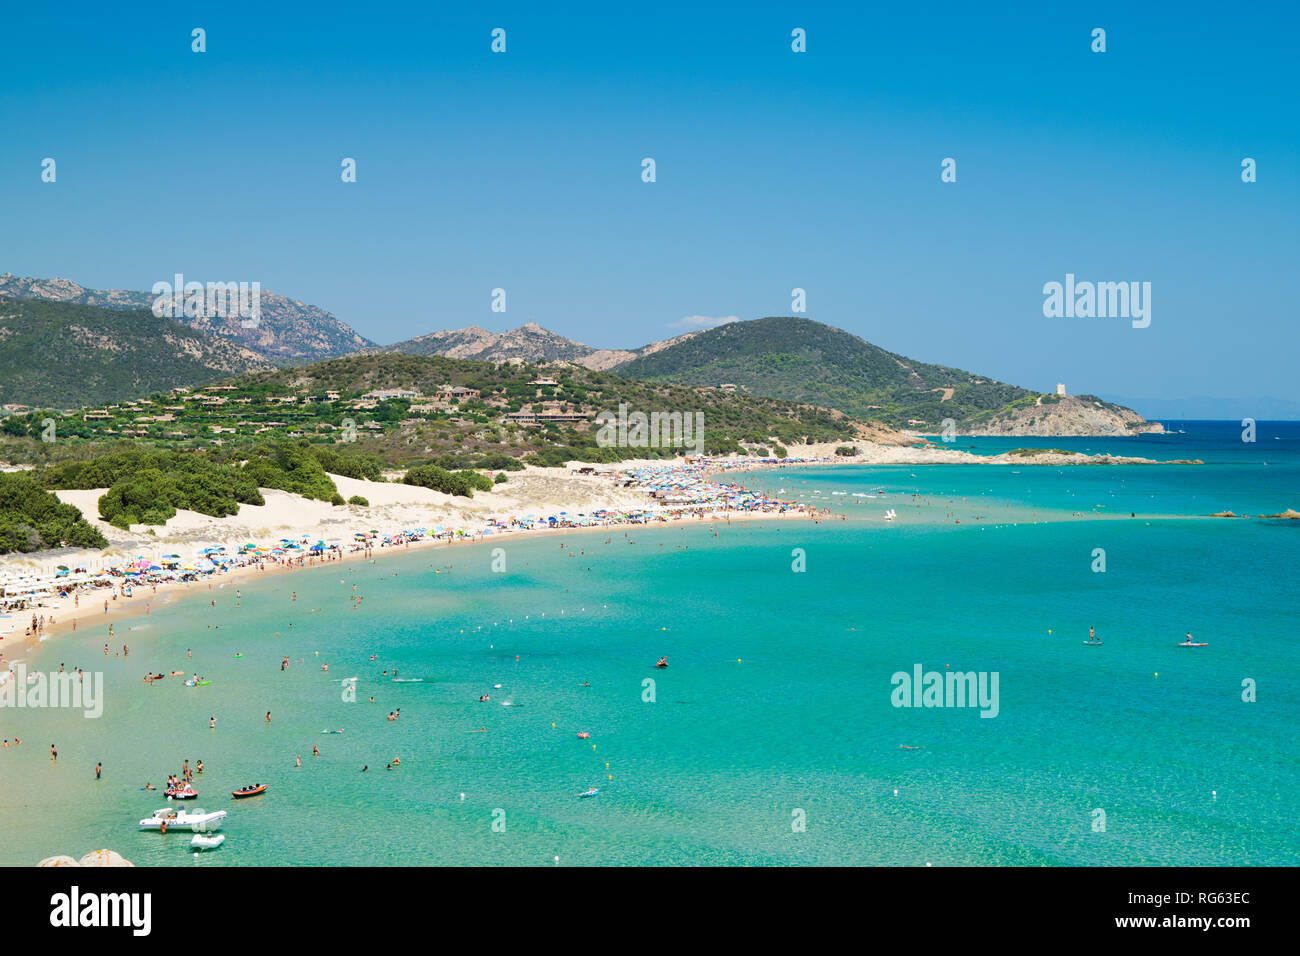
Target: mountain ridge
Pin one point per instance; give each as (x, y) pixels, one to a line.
(69, 355)
(529, 342)
(797, 359)
(286, 332)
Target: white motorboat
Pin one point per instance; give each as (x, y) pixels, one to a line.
(196, 821)
(202, 842)
(891, 514)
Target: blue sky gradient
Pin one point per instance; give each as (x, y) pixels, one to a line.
(819, 170)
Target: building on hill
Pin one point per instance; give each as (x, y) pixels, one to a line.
(448, 392)
(1060, 390)
(384, 394)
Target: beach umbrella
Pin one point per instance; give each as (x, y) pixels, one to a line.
(104, 858)
(58, 861)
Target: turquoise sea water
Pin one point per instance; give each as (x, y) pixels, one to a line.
(776, 706)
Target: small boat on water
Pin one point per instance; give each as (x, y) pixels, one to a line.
(250, 791)
(196, 821)
(583, 735)
(180, 793)
(201, 842)
(589, 793)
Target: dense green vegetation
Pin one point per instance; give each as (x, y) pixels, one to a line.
(32, 519)
(463, 483)
(804, 361)
(293, 468)
(324, 406)
(148, 486)
(61, 355)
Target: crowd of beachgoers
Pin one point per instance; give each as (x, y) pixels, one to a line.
(31, 596)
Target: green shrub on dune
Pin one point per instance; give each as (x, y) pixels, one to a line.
(32, 519)
(462, 483)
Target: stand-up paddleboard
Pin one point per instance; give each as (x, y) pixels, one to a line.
(1193, 643)
(1093, 643)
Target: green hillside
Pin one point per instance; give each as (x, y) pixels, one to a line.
(327, 406)
(63, 355)
(804, 361)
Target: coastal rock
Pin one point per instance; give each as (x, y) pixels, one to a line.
(1066, 416)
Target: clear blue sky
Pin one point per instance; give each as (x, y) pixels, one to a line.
(775, 170)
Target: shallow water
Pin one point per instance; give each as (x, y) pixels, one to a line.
(776, 707)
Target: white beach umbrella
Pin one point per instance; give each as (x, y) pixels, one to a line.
(58, 861)
(104, 858)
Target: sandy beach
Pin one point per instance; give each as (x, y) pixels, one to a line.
(577, 497)
(513, 509)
